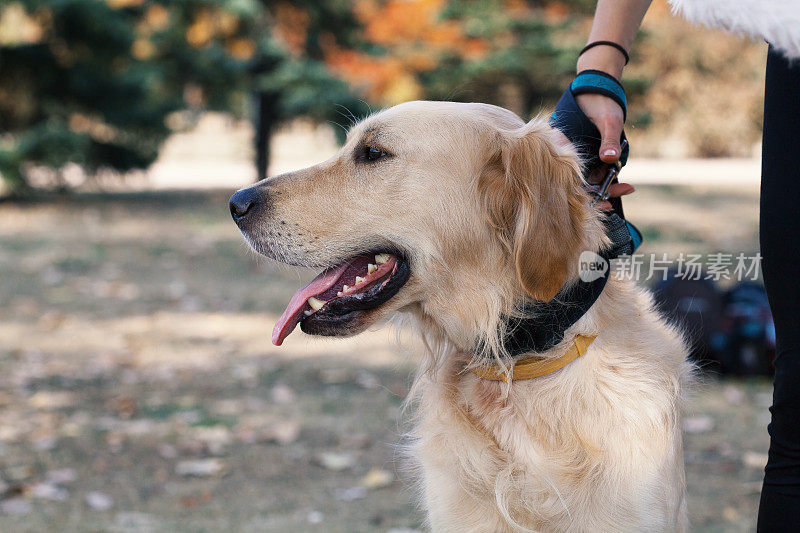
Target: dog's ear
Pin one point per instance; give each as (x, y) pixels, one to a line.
(532, 192)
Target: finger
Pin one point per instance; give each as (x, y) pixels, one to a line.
(620, 189)
(610, 150)
(616, 190)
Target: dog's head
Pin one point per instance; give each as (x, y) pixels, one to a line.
(455, 211)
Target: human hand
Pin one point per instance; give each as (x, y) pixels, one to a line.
(615, 190)
(607, 115)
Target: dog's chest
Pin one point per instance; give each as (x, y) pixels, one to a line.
(529, 458)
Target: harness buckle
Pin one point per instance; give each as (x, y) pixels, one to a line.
(600, 191)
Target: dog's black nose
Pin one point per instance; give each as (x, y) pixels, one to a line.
(242, 202)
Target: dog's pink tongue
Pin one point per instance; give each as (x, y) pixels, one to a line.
(294, 311)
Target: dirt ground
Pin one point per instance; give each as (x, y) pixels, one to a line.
(139, 390)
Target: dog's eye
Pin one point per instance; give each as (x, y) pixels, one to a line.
(373, 154)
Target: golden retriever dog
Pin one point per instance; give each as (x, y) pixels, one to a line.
(454, 215)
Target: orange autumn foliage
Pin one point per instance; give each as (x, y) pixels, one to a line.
(291, 26)
(412, 34)
(209, 24)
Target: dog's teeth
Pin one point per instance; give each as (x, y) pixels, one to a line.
(345, 288)
(359, 279)
(307, 312)
(316, 304)
(371, 268)
(381, 258)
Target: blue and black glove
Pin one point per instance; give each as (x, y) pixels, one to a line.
(582, 132)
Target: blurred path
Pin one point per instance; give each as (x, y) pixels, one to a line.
(218, 154)
(693, 171)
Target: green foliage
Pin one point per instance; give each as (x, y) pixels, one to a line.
(300, 82)
(78, 94)
(527, 63)
(98, 81)
(102, 83)
(305, 87)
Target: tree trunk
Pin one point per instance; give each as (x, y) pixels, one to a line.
(265, 123)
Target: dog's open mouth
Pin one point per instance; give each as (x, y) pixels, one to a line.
(340, 295)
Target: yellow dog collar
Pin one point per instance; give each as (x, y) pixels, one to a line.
(535, 367)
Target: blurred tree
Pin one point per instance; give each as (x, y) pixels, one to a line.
(101, 84)
(291, 76)
(520, 54)
(509, 52)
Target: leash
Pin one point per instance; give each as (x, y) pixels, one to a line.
(542, 324)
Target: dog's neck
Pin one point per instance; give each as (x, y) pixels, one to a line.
(448, 351)
(542, 325)
(534, 330)
(495, 319)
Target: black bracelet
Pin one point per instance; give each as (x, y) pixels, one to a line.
(607, 43)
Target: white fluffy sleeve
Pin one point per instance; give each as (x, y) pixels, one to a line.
(776, 21)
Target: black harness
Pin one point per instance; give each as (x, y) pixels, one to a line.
(542, 324)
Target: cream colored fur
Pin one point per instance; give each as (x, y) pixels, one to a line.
(594, 447)
(490, 212)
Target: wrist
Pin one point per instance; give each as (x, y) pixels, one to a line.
(603, 58)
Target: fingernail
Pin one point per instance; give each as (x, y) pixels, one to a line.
(610, 152)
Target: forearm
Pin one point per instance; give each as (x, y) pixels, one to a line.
(617, 21)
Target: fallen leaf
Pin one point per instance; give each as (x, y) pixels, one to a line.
(377, 478)
(194, 501)
(754, 460)
(351, 494)
(336, 461)
(16, 506)
(125, 406)
(200, 468)
(62, 476)
(48, 491)
(46, 400)
(135, 521)
(282, 432)
(282, 394)
(167, 451)
(99, 501)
